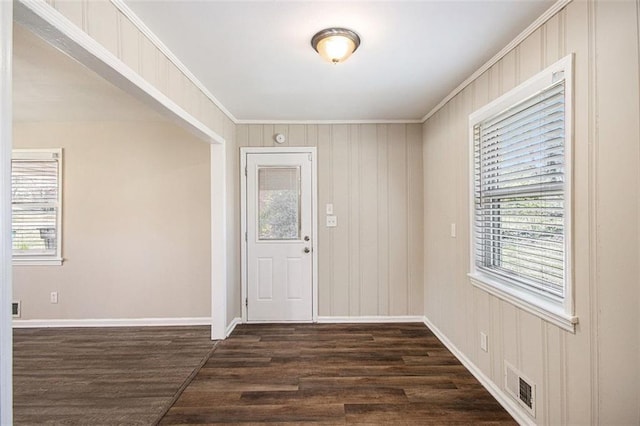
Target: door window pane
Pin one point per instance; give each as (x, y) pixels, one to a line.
(279, 203)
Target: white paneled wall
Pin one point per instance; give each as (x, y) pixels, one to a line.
(371, 264)
(592, 376)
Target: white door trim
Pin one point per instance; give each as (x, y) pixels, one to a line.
(314, 221)
(6, 142)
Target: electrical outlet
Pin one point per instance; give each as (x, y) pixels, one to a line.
(54, 297)
(332, 221)
(484, 344)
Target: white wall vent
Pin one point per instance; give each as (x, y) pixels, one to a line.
(520, 388)
(15, 309)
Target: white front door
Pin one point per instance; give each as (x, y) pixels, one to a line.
(279, 231)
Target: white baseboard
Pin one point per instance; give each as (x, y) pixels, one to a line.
(117, 322)
(505, 400)
(232, 325)
(371, 319)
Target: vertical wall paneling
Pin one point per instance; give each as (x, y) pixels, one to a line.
(297, 136)
(638, 130)
(325, 235)
(354, 221)
(129, 48)
(149, 66)
(254, 135)
(415, 243)
(592, 177)
(341, 234)
(592, 376)
(163, 78)
(73, 10)
(618, 152)
(268, 131)
(372, 174)
(382, 180)
(368, 218)
(398, 219)
(102, 24)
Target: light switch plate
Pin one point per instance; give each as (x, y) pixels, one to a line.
(453, 230)
(484, 344)
(329, 208)
(332, 221)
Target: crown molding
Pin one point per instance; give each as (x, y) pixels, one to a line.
(382, 121)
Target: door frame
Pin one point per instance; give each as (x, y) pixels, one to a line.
(314, 220)
(6, 267)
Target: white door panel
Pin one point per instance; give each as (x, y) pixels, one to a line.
(279, 225)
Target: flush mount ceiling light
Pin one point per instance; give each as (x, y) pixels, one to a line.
(335, 44)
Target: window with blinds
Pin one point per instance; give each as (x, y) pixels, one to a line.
(521, 191)
(36, 206)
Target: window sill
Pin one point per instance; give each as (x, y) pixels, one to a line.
(35, 261)
(547, 310)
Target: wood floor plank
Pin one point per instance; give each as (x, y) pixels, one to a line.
(278, 373)
(255, 413)
(102, 376)
(334, 374)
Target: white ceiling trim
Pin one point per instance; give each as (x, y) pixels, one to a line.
(137, 22)
(550, 13)
(329, 122)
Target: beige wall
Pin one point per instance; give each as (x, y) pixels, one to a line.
(592, 376)
(371, 264)
(136, 223)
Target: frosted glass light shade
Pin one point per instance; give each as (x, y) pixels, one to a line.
(335, 44)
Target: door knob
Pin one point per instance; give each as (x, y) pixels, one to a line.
(307, 250)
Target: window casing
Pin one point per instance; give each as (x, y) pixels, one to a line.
(36, 204)
(521, 195)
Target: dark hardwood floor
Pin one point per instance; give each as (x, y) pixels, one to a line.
(103, 376)
(334, 374)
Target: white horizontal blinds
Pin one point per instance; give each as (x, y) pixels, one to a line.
(34, 188)
(519, 192)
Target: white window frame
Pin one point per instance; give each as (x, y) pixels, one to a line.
(559, 311)
(54, 259)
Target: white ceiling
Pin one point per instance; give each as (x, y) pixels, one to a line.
(48, 85)
(255, 56)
